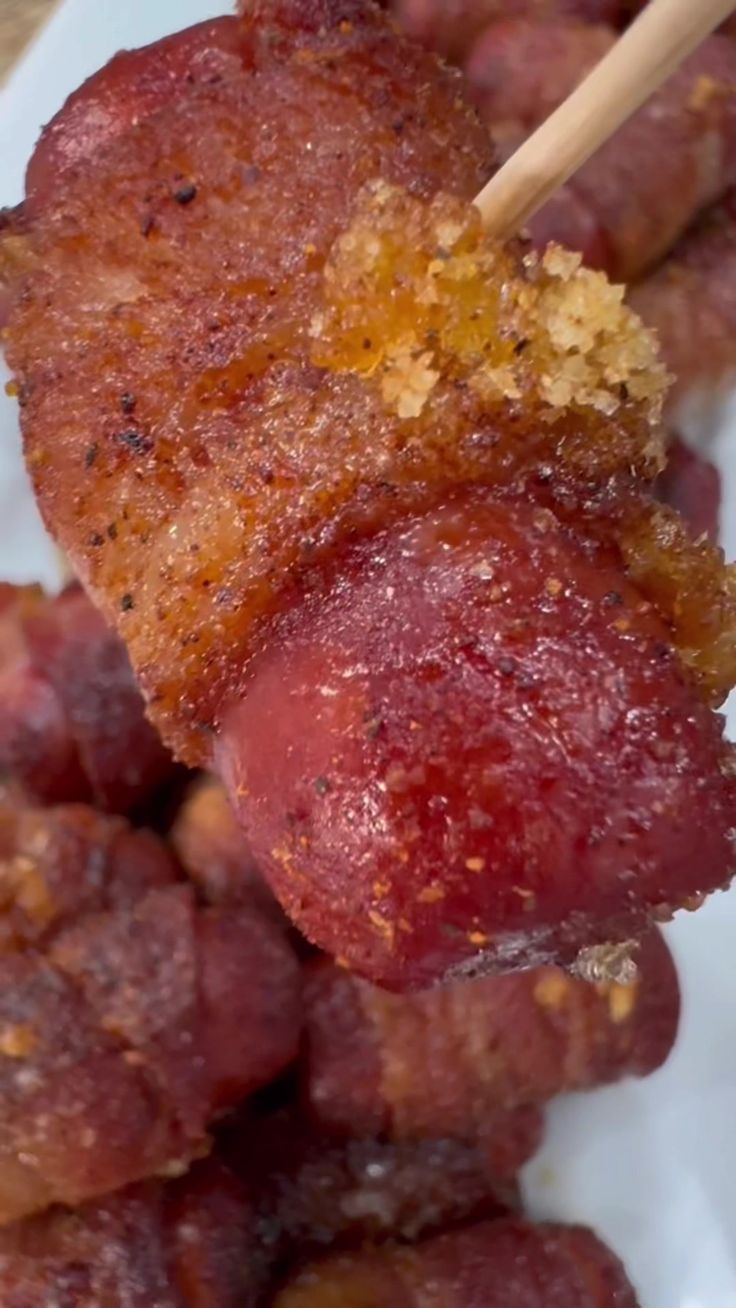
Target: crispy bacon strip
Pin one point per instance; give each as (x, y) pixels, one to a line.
(126, 1036)
(183, 1244)
(443, 1062)
(57, 864)
(72, 726)
(498, 1264)
(229, 373)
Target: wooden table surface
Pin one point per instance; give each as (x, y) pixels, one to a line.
(19, 19)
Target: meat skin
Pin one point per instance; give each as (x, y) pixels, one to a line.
(130, 88)
(397, 778)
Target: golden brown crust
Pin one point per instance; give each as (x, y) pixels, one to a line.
(202, 495)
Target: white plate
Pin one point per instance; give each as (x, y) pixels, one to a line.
(651, 1165)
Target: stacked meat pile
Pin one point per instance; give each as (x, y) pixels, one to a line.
(194, 1105)
(373, 507)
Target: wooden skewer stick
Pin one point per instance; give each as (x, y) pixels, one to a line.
(665, 33)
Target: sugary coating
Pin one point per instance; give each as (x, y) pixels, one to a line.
(513, 797)
(445, 1061)
(416, 293)
(508, 1264)
(72, 726)
(312, 1192)
(122, 1041)
(690, 301)
(58, 863)
(214, 852)
(183, 1244)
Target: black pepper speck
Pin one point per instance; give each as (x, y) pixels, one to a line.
(136, 441)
